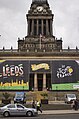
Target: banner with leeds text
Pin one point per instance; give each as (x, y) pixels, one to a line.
(14, 75)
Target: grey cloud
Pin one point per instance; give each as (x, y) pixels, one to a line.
(13, 21)
(66, 21)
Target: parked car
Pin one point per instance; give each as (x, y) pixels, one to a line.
(69, 98)
(17, 110)
(20, 97)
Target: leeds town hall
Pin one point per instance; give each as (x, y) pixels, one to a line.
(39, 63)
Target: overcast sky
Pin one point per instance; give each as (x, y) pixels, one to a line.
(13, 22)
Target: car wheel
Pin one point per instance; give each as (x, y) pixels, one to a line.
(6, 114)
(29, 114)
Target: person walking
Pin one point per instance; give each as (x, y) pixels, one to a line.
(33, 104)
(73, 104)
(76, 104)
(39, 106)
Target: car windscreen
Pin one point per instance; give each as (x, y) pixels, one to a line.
(19, 95)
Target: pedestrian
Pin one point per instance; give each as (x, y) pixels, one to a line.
(39, 106)
(76, 104)
(73, 104)
(33, 104)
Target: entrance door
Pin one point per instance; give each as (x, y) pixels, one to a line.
(31, 82)
(48, 81)
(40, 82)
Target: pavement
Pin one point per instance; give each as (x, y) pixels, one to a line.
(48, 112)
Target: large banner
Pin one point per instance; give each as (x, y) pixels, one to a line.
(65, 75)
(14, 75)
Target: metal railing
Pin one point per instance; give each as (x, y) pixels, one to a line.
(41, 50)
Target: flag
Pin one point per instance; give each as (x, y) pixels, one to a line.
(42, 38)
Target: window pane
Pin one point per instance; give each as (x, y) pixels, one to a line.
(11, 106)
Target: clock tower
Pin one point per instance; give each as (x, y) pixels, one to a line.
(40, 36)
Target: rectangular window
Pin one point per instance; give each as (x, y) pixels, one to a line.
(49, 25)
(30, 24)
(44, 27)
(39, 27)
(35, 30)
(39, 21)
(35, 27)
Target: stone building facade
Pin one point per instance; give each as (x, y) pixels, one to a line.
(39, 63)
(40, 29)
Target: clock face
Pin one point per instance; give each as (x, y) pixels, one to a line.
(39, 8)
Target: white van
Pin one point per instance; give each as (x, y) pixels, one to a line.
(69, 97)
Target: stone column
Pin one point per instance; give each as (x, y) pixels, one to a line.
(51, 27)
(47, 28)
(35, 82)
(44, 81)
(42, 26)
(28, 27)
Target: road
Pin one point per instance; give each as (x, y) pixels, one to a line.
(62, 116)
